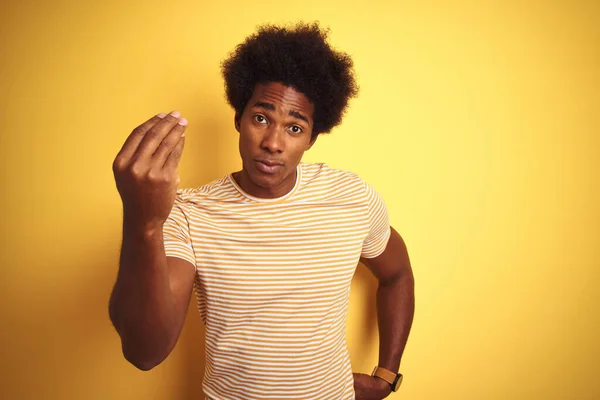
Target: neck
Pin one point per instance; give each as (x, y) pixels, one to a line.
(243, 179)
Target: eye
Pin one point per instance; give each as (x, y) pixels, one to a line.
(295, 129)
(260, 119)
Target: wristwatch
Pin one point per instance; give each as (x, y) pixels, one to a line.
(392, 378)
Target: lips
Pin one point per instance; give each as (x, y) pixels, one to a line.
(270, 163)
(268, 166)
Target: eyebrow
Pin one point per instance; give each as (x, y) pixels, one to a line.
(271, 107)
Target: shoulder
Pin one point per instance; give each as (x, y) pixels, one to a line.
(324, 172)
(322, 176)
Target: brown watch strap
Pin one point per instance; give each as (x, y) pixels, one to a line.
(384, 374)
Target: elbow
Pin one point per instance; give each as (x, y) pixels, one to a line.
(403, 279)
(145, 352)
(142, 361)
(133, 350)
(142, 365)
(143, 344)
(407, 282)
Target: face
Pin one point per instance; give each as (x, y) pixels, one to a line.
(275, 131)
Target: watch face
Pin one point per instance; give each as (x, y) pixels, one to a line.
(398, 382)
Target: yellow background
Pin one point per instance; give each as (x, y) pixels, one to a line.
(478, 122)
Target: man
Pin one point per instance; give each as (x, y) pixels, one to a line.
(270, 250)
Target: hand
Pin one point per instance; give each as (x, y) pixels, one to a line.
(146, 170)
(369, 387)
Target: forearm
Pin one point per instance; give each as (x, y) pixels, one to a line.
(142, 307)
(395, 310)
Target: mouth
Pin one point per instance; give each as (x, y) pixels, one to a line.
(268, 166)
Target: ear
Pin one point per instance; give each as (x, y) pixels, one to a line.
(236, 121)
(312, 141)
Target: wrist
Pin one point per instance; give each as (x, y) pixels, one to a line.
(392, 379)
(140, 229)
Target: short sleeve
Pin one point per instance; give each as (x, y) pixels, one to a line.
(176, 235)
(379, 225)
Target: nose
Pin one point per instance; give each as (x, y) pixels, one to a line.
(273, 139)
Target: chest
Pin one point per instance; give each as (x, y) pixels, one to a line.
(270, 251)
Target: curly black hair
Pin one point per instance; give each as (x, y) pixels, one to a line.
(299, 57)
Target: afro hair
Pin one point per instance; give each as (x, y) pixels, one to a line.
(298, 57)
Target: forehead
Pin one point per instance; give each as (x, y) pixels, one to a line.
(283, 97)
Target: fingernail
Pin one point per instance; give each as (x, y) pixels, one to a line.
(183, 122)
(176, 114)
(161, 115)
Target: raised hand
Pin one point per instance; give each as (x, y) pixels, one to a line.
(146, 170)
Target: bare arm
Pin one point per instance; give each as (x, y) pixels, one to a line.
(150, 297)
(395, 310)
(395, 300)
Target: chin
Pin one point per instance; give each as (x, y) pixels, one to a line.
(264, 180)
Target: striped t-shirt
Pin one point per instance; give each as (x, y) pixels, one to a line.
(273, 280)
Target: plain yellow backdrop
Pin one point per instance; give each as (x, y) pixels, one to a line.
(478, 123)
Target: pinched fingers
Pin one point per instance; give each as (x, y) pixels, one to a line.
(175, 156)
(170, 144)
(154, 138)
(133, 141)
(153, 150)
